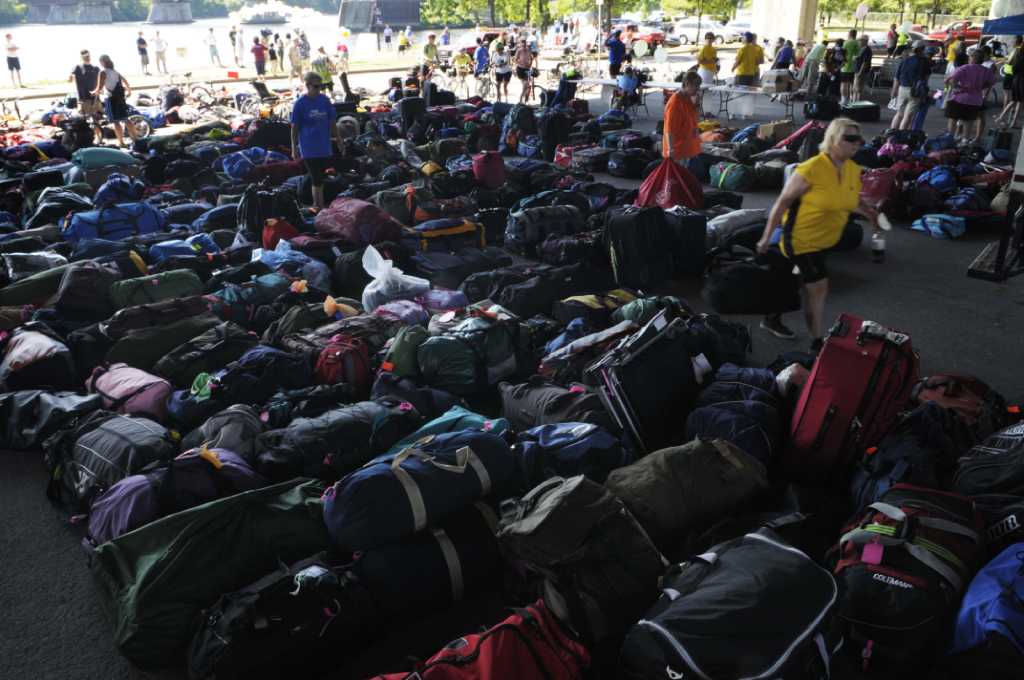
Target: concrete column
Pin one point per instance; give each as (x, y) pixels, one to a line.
(1006, 8)
(170, 12)
(90, 13)
(357, 14)
(790, 19)
(38, 14)
(62, 14)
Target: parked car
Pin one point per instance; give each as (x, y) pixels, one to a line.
(652, 35)
(691, 31)
(966, 29)
(734, 30)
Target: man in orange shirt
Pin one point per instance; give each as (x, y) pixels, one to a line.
(681, 140)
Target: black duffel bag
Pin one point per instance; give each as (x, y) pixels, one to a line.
(737, 281)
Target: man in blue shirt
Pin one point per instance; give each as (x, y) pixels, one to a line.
(785, 56)
(482, 57)
(314, 134)
(911, 74)
(616, 53)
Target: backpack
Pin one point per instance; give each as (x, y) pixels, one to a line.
(345, 359)
(118, 189)
(968, 199)
(597, 565)
(900, 586)
(568, 448)
(400, 358)
(235, 429)
(129, 390)
(975, 404)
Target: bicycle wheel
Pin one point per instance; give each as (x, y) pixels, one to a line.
(137, 127)
(203, 95)
(483, 87)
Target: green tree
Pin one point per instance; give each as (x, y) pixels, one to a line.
(12, 13)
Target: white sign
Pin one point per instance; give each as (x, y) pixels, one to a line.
(862, 11)
(600, 2)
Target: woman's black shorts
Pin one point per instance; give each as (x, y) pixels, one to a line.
(317, 169)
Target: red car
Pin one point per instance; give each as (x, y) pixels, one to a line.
(968, 31)
(652, 37)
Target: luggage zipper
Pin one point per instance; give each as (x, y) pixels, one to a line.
(678, 648)
(823, 430)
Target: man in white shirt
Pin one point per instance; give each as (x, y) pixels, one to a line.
(13, 61)
(211, 42)
(160, 47)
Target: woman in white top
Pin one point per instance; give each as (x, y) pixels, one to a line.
(116, 90)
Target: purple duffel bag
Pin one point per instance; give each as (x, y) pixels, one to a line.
(193, 478)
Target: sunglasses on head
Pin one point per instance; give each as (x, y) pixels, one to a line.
(853, 139)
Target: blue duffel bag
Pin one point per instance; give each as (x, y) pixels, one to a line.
(992, 611)
(198, 244)
(186, 213)
(761, 378)
(113, 223)
(450, 562)
(221, 217)
(455, 419)
(751, 425)
(118, 188)
(395, 496)
(567, 450)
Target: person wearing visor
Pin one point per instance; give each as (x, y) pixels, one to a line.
(314, 135)
(813, 210)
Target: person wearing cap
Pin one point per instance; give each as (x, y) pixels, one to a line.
(314, 134)
(861, 68)
(747, 64)
(616, 53)
(86, 77)
(910, 86)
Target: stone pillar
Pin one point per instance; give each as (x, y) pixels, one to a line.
(94, 13)
(170, 12)
(790, 19)
(63, 14)
(38, 13)
(356, 14)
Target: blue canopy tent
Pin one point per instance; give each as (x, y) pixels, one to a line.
(1005, 26)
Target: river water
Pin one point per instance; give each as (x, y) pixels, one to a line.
(48, 53)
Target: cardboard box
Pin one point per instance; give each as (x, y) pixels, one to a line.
(776, 131)
(778, 80)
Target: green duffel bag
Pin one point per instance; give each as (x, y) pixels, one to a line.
(732, 176)
(210, 351)
(101, 156)
(146, 290)
(298, 319)
(155, 581)
(33, 290)
(400, 357)
(144, 347)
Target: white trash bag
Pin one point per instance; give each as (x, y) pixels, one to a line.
(389, 283)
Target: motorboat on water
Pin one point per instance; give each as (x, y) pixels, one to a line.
(264, 13)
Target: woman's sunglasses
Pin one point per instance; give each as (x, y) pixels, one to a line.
(853, 139)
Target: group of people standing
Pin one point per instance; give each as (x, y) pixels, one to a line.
(159, 46)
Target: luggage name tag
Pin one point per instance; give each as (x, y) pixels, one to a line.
(872, 553)
(211, 457)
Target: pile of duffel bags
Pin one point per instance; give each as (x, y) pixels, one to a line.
(454, 389)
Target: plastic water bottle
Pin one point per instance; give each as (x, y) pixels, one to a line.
(877, 247)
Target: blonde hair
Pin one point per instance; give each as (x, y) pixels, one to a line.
(834, 131)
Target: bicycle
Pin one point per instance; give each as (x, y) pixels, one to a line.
(485, 84)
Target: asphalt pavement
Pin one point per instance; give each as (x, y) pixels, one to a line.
(53, 626)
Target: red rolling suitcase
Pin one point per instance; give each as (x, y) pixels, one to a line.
(859, 383)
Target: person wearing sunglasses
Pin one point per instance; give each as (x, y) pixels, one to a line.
(314, 134)
(813, 210)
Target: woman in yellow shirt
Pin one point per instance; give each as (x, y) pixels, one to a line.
(747, 65)
(815, 205)
(707, 59)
